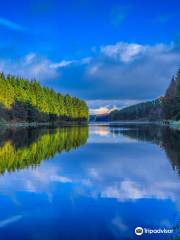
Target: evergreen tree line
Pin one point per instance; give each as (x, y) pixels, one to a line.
(25, 100)
(151, 110)
(171, 101)
(166, 107)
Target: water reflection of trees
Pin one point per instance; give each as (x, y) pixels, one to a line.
(168, 139)
(22, 148)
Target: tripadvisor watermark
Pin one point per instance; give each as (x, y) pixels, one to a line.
(139, 231)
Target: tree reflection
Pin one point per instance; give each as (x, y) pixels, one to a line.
(165, 137)
(21, 148)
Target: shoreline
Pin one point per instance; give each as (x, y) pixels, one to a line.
(41, 124)
(168, 123)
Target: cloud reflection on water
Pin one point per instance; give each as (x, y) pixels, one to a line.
(111, 168)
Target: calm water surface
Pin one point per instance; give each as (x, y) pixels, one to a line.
(88, 184)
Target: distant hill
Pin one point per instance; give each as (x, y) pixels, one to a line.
(166, 107)
(151, 110)
(99, 118)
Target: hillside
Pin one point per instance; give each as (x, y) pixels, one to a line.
(151, 110)
(27, 101)
(166, 107)
(171, 103)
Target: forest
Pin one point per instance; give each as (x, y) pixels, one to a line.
(171, 101)
(165, 107)
(27, 101)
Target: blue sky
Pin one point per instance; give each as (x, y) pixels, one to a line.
(110, 53)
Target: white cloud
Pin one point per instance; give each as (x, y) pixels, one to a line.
(102, 106)
(38, 180)
(29, 58)
(101, 134)
(118, 222)
(131, 71)
(65, 63)
(125, 52)
(34, 66)
(60, 179)
(98, 111)
(85, 60)
(42, 70)
(10, 24)
(61, 64)
(10, 220)
(126, 190)
(129, 190)
(93, 70)
(99, 131)
(30, 66)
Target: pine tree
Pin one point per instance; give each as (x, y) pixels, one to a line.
(177, 96)
(169, 100)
